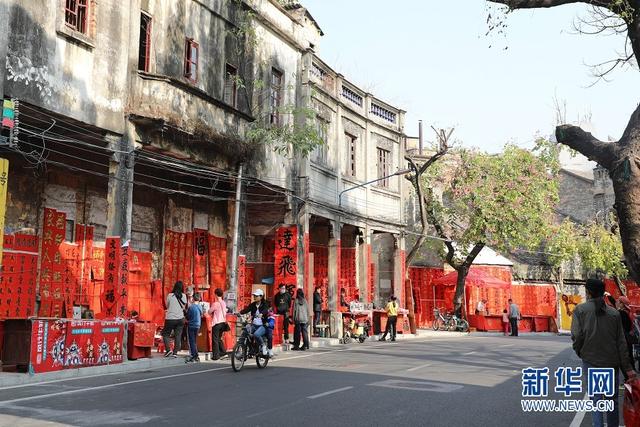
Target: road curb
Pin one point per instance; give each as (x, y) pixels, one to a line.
(10, 379)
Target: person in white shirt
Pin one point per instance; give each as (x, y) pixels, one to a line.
(481, 308)
(174, 319)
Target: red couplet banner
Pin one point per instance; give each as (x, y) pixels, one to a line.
(286, 256)
(109, 295)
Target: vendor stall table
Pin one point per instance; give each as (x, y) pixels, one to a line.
(44, 345)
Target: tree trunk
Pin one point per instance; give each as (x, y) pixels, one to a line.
(458, 300)
(622, 160)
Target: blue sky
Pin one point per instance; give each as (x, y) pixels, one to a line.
(432, 58)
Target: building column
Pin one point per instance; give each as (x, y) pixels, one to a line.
(334, 265)
(120, 187)
(363, 256)
(399, 257)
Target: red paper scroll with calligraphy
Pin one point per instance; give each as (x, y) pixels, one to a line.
(109, 295)
(217, 262)
(84, 240)
(47, 345)
(286, 256)
(18, 276)
(122, 288)
(70, 276)
(200, 255)
(52, 266)
(168, 263)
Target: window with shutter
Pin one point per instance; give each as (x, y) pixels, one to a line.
(231, 85)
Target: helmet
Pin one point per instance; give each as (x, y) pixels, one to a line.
(258, 293)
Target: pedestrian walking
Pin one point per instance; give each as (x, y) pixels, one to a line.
(514, 316)
(598, 339)
(628, 325)
(301, 322)
(317, 309)
(174, 319)
(194, 319)
(392, 319)
(282, 305)
(218, 312)
(505, 322)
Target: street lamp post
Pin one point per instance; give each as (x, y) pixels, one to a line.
(400, 172)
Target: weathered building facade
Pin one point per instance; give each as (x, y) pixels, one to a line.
(133, 120)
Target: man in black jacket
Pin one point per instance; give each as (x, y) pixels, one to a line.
(317, 308)
(282, 305)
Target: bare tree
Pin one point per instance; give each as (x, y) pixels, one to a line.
(621, 158)
(419, 167)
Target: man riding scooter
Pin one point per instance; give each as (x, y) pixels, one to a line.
(259, 310)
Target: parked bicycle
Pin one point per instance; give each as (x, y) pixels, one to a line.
(457, 324)
(440, 320)
(247, 347)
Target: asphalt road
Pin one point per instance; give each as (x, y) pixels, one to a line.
(461, 381)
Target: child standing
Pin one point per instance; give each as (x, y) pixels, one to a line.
(271, 324)
(505, 322)
(194, 316)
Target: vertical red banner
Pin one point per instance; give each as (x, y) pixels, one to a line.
(122, 289)
(111, 278)
(217, 262)
(167, 263)
(52, 266)
(286, 256)
(200, 255)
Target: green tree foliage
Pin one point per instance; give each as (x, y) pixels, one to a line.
(504, 201)
(597, 248)
(296, 131)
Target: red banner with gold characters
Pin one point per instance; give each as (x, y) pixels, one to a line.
(110, 296)
(52, 266)
(18, 276)
(122, 286)
(200, 255)
(217, 262)
(286, 256)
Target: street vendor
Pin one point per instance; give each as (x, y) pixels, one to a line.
(481, 308)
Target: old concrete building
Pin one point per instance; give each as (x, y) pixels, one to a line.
(135, 119)
(354, 214)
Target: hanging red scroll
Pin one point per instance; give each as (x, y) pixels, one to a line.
(18, 276)
(109, 295)
(217, 262)
(52, 266)
(286, 256)
(200, 255)
(122, 287)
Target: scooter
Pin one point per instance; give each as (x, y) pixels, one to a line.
(356, 331)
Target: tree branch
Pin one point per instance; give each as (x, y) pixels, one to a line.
(534, 4)
(604, 153)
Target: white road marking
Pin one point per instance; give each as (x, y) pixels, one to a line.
(327, 393)
(466, 354)
(577, 419)
(506, 345)
(102, 387)
(415, 368)
(418, 385)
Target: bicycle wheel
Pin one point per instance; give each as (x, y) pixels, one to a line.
(449, 325)
(464, 326)
(436, 324)
(238, 356)
(261, 360)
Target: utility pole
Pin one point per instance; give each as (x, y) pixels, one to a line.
(233, 282)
